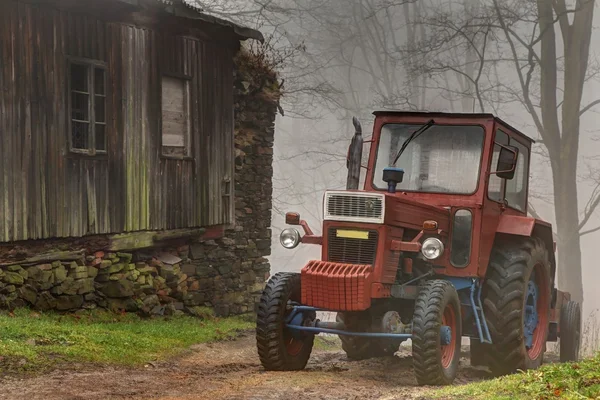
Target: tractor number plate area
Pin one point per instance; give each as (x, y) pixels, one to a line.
(349, 234)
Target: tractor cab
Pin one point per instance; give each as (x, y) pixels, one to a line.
(449, 159)
(436, 246)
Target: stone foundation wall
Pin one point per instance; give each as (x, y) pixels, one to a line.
(226, 274)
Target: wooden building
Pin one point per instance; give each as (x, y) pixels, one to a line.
(115, 116)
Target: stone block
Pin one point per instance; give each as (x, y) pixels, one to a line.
(45, 301)
(13, 268)
(224, 269)
(114, 268)
(13, 278)
(147, 270)
(125, 257)
(204, 270)
(85, 286)
(80, 275)
(60, 274)
(92, 272)
(189, 269)
(197, 251)
(103, 278)
(118, 289)
(8, 289)
(105, 264)
(126, 304)
(72, 302)
(28, 293)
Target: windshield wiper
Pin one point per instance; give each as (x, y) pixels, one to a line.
(413, 136)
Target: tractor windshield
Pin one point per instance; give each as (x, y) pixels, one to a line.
(444, 159)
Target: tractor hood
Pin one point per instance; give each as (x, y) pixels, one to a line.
(382, 208)
(401, 211)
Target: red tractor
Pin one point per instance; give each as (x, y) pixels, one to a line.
(437, 246)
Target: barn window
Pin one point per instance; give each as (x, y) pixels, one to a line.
(176, 124)
(87, 102)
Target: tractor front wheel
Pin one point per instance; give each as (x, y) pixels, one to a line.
(570, 331)
(517, 294)
(281, 348)
(437, 333)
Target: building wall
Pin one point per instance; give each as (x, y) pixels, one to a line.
(48, 191)
(181, 275)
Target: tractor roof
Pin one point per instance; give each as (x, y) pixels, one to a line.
(452, 115)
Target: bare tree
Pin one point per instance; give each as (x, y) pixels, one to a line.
(545, 76)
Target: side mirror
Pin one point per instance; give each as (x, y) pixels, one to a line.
(507, 162)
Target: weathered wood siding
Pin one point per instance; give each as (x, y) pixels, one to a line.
(47, 192)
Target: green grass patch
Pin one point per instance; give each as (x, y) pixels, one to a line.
(31, 340)
(327, 343)
(565, 381)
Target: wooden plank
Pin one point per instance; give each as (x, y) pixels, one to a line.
(5, 110)
(49, 257)
(178, 234)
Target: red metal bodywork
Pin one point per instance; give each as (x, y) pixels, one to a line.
(409, 210)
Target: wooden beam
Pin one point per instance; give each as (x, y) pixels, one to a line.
(147, 239)
(178, 234)
(48, 257)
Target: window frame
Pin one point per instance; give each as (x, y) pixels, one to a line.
(91, 66)
(372, 175)
(511, 138)
(188, 147)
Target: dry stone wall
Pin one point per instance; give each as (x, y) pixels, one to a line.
(226, 274)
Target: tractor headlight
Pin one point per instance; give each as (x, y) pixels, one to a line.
(289, 238)
(432, 248)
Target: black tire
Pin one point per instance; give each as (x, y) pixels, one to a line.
(273, 339)
(478, 352)
(512, 264)
(361, 348)
(433, 363)
(570, 331)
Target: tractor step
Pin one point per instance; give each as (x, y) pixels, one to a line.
(480, 321)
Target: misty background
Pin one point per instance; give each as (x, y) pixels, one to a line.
(533, 63)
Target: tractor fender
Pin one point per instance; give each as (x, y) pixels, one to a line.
(530, 227)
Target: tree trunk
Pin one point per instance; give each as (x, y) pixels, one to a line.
(567, 227)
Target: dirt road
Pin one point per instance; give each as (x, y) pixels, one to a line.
(231, 370)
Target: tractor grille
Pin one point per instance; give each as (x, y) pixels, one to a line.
(351, 250)
(352, 207)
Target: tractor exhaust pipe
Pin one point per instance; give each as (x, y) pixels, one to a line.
(354, 159)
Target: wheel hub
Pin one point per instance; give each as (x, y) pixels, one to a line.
(445, 335)
(531, 315)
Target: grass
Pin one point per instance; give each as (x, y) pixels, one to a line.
(32, 341)
(553, 381)
(327, 343)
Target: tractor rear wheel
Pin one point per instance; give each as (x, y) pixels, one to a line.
(517, 295)
(280, 348)
(478, 352)
(570, 331)
(436, 354)
(362, 348)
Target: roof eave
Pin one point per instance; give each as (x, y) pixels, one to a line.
(180, 8)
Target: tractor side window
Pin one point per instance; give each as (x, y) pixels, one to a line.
(516, 188)
(495, 185)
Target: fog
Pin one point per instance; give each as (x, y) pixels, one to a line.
(341, 58)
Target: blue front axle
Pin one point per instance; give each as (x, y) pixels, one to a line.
(295, 320)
